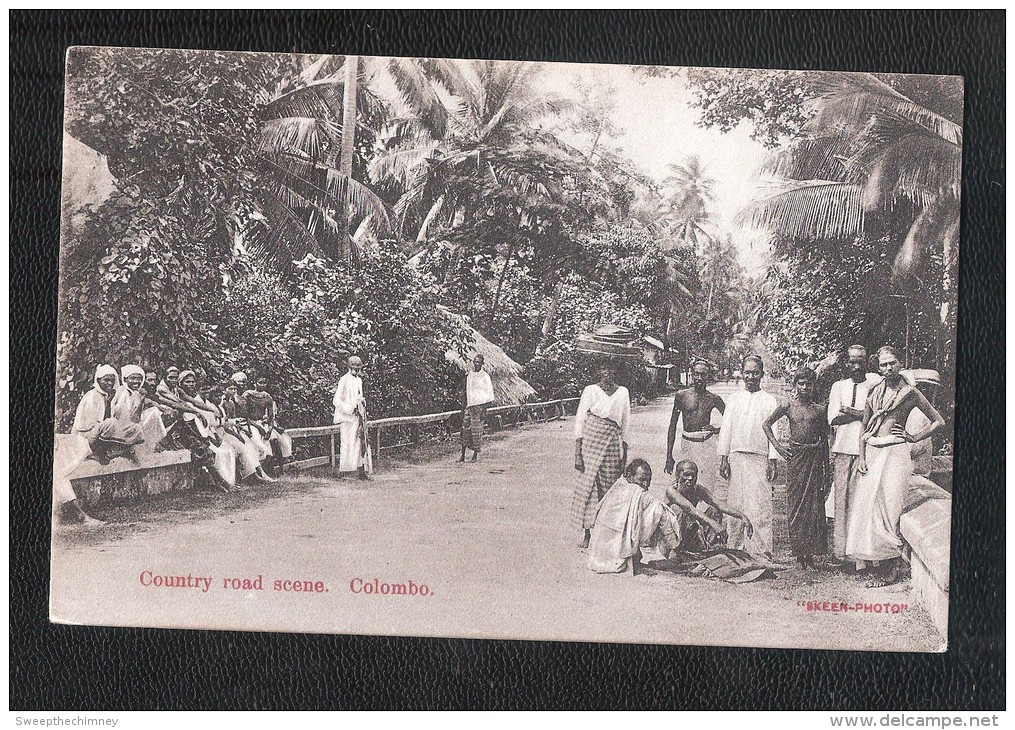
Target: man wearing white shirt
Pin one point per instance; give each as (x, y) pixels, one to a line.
(846, 402)
(351, 415)
(747, 460)
(601, 431)
(476, 398)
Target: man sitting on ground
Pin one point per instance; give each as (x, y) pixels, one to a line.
(698, 521)
(628, 519)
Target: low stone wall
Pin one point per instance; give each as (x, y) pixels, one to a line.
(926, 527)
(123, 480)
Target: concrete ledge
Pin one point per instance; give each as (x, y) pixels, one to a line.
(926, 527)
(123, 480)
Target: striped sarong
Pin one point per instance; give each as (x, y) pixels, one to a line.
(602, 454)
(808, 478)
(472, 427)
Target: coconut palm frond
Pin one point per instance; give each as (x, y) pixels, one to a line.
(282, 237)
(326, 187)
(418, 93)
(812, 158)
(297, 134)
(814, 210)
(851, 100)
(399, 164)
(921, 168)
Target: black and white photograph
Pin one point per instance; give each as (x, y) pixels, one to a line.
(508, 350)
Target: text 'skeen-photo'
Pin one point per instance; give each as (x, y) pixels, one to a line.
(510, 350)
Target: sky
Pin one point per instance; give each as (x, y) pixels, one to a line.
(659, 128)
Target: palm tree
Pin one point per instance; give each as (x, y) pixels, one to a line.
(693, 191)
(308, 194)
(471, 154)
(870, 158)
(720, 268)
(471, 132)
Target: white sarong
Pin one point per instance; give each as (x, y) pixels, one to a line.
(702, 453)
(750, 493)
(876, 506)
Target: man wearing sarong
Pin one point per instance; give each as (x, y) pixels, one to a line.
(351, 416)
(692, 408)
(477, 396)
(885, 466)
(261, 413)
(629, 519)
(239, 407)
(808, 472)
(846, 402)
(107, 436)
(233, 460)
(698, 512)
(173, 406)
(132, 405)
(93, 411)
(600, 429)
(747, 460)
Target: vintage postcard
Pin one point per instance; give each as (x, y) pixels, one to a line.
(496, 349)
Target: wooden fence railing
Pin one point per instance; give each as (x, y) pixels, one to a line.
(407, 430)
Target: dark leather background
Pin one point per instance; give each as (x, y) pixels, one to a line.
(62, 667)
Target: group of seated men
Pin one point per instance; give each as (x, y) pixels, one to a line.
(687, 519)
(230, 430)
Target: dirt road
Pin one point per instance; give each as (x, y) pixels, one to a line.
(490, 541)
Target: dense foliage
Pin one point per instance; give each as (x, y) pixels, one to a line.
(239, 234)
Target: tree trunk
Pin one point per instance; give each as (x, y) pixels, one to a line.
(551, 314)
(348, 147)
(500, 284)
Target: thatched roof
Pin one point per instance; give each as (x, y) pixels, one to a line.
(508, 386)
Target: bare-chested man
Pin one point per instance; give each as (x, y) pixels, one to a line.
(808, 476)
(885, 466)
(695, 405)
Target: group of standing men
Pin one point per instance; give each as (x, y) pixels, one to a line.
(878, 423)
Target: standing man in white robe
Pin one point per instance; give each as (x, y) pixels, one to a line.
(351, 415)
(846, 401)
(747, 460)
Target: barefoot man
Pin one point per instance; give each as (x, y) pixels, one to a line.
(845, 414)
(885, 466)
(747, 460)
(351, 414)
(808, 473)
(693, 406)
(477, 396)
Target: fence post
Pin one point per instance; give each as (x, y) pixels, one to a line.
(334, 465)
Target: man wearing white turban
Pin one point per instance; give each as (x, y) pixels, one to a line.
(107, 436)
(131, 405)
(351, 416)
